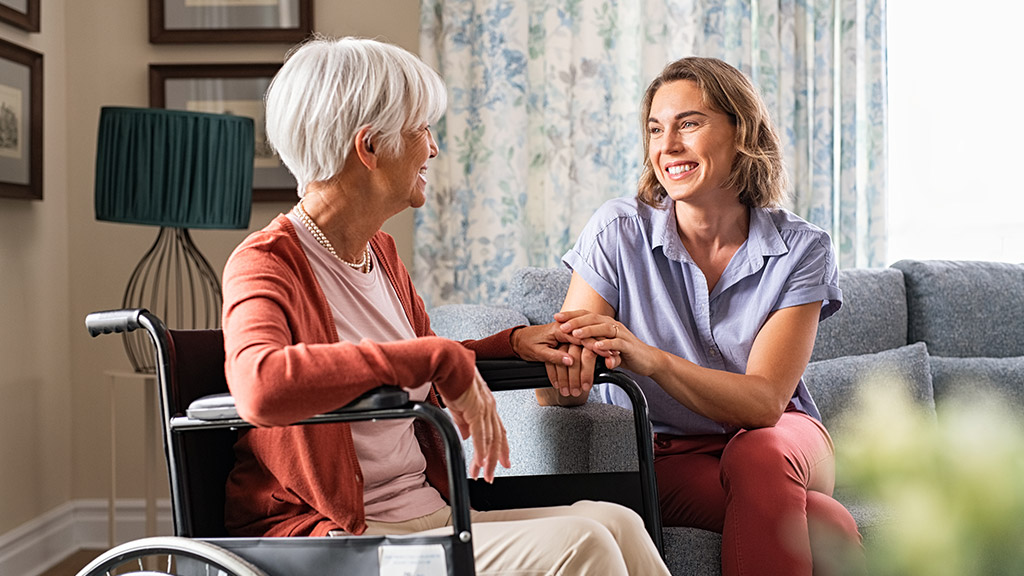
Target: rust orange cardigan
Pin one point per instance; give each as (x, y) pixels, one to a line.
(284, 363)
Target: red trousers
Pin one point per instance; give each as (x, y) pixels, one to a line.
(767, 491)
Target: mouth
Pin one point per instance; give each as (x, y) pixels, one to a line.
(423, 174)
(676, 171)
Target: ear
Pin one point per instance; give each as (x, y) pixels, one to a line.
(364, 148)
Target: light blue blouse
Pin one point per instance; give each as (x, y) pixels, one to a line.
(631, 254)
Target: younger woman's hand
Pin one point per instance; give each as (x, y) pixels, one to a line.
(476, 415)
(606, 337)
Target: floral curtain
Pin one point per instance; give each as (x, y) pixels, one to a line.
(543, 120)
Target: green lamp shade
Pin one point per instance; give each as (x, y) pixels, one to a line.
(174, 168)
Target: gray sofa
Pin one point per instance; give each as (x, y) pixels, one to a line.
(938, 325)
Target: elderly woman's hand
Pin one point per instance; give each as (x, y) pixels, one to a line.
(541, 343)
(476, 415)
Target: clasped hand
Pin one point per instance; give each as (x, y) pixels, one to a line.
(587, 336)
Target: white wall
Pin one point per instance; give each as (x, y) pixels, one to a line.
(57, 263)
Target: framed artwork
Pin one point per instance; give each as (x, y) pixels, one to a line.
(178, 21)
(21, 122)
(227, 89)
(21, 13)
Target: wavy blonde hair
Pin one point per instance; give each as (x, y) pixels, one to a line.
(758, 173)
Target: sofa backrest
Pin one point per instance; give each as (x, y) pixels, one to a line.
(965, 309)
(873, 316)
(538, 293)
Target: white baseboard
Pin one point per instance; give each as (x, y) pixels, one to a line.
(39, 544)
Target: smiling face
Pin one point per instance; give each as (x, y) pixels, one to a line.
(691, 146)
(407, 171)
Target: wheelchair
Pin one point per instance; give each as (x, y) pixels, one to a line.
(199, 428)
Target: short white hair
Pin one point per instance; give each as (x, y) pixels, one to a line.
(330, 89)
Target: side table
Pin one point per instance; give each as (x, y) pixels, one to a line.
(147, 382)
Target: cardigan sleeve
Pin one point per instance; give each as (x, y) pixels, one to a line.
(283, 363)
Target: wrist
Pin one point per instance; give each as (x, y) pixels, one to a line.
(513, 340)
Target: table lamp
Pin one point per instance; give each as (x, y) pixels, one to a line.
(176, 170)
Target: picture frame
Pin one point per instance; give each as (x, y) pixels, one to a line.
(219, 21)
(21, 122)
(23, 14)
(231, 89)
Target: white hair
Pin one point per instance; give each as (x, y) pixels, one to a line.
(330, 89)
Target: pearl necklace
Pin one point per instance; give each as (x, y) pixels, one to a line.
(365, 263)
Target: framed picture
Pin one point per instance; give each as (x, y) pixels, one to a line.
(21, 122)
(227, 89)
(178, 21)
(21, 13)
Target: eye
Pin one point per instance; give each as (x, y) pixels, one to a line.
(688, 124)
(653, 130)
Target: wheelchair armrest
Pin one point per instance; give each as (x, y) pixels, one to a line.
(515, 374)
(217, 407)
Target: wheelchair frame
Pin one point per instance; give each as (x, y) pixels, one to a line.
(360, 553)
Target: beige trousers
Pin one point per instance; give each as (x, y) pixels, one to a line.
(585, 538)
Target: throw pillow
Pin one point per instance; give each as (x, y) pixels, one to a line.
(833, 383)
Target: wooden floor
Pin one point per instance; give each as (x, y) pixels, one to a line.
(72, 564)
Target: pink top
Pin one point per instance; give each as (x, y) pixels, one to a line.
(366, 306)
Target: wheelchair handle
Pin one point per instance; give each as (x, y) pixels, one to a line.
(110, 321)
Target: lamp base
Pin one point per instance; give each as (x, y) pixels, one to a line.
(176, 282)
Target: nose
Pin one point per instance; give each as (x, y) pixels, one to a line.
(672, 141)
(433, 143)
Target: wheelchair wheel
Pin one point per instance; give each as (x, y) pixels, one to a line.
(169, 556)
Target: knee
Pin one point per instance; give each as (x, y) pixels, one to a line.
(618, 520)
(753, 451)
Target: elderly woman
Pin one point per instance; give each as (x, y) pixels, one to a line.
(318, 309)
(710, 293)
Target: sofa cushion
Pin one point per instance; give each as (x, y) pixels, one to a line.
(538, 292)
(965, 309)
(873, 316)
(834, 383)
(593, 437)
(472, 321)
(955, 379)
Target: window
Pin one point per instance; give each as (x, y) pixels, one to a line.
(956, 130)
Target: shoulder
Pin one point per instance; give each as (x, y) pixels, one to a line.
(794, 230)
(620, 214)
(277, 244)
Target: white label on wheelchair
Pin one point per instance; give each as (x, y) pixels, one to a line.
(412, 560)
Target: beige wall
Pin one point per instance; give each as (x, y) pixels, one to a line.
(35, 326)
(58, 264)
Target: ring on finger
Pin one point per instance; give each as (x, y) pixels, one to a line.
(615, 327)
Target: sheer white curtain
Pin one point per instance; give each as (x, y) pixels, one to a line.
(542, 125)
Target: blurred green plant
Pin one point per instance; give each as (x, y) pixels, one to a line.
(954, 484)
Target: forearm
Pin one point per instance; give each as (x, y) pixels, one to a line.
(494, 346)
(743, 400)
(277, 381)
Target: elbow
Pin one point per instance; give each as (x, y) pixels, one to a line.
(257, 402)
(257, 411)
(764, 415)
